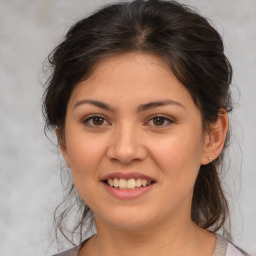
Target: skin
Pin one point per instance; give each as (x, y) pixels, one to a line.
(124, 139)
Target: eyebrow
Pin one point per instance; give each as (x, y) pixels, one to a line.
(96, 103)
(141, 108)
(155, 104)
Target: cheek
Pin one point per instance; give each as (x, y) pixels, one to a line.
(84, 151)
(179, 166)
(85, 155)
(84, 160)
(179, 158)
(179, 150)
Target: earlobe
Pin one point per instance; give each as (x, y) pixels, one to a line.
(215, 138)
(62, 145)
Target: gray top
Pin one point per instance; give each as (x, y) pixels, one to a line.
(222, 248)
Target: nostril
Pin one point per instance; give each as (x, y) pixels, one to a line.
(126, 151)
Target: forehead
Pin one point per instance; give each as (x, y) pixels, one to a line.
(132, 65)
(135, 76)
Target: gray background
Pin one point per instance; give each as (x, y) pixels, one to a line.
(29, 164)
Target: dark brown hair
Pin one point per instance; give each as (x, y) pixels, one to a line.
(194, 52)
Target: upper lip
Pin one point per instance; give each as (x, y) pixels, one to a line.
(127, 176)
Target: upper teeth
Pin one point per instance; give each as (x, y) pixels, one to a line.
(128, 184)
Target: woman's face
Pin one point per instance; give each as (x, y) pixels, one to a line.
(134, 142)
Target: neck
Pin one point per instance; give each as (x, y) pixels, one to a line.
(163, 239)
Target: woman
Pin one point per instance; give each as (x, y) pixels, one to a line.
(139, 97)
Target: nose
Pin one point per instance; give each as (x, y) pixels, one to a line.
(126, 145)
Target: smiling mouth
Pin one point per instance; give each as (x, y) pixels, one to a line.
(129, 184)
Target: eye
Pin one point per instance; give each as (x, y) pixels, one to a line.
(160, 121)
(95, 121)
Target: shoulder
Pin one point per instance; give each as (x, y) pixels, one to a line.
(234, 251)
(71, 252)
(225, 248)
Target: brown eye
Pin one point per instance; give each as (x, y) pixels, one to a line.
(158, 121)
(95, 121)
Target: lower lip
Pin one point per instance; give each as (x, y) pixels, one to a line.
(127, 193)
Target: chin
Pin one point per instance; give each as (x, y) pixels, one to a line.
(130, 225)
(128, 220)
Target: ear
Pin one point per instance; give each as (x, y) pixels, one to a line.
(62, 145)
(215, 138)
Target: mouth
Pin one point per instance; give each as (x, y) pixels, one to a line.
(128, 184)
(128, 180)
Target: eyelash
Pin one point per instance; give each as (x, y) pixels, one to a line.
(91, 117)
(166, 119)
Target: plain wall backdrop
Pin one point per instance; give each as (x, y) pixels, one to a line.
(30, 187)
